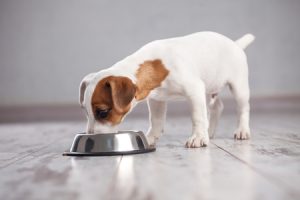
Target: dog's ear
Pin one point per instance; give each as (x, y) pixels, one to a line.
(122, 92)
(83, 85)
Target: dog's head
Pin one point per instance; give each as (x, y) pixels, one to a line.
(106, 101)
(107, 98)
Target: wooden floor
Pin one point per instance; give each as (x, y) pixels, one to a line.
(265, 167)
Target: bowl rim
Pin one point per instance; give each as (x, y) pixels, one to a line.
(111, 153)
(150, 148)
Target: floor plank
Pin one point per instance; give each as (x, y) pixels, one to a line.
(20, 140)
(174, 172)
(273, 151)
(265, 167)
(47, 174)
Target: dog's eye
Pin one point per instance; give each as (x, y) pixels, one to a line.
(101, 114)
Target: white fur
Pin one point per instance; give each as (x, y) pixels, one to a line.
(200, 65)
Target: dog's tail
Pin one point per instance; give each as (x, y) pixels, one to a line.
(244, 41)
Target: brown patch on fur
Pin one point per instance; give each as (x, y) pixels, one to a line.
(113, 93)
(149, 76)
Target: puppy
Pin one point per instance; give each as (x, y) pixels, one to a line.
(194, 67)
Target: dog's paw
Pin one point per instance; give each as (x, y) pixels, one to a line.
(151, 139)
(197, 141)
(241, 134)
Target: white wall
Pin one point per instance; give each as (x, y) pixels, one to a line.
(46, 47)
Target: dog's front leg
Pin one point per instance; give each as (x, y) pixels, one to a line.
(197, 99)
(157, 116)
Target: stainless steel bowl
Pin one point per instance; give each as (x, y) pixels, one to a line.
(120, 143)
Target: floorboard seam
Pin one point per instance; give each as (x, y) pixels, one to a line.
(290, 191)
(28, 154)
(277, 137)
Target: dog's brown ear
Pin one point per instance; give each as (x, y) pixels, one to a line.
(122, 92)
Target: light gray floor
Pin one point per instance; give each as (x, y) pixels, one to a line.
(265, 167)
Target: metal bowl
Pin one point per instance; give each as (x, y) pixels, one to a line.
(120, 143)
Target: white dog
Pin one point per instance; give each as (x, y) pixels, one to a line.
(195, 67)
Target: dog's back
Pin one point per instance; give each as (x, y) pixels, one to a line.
(210, 56)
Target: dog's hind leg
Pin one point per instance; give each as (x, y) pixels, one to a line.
(157, 116)
(215, 110)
